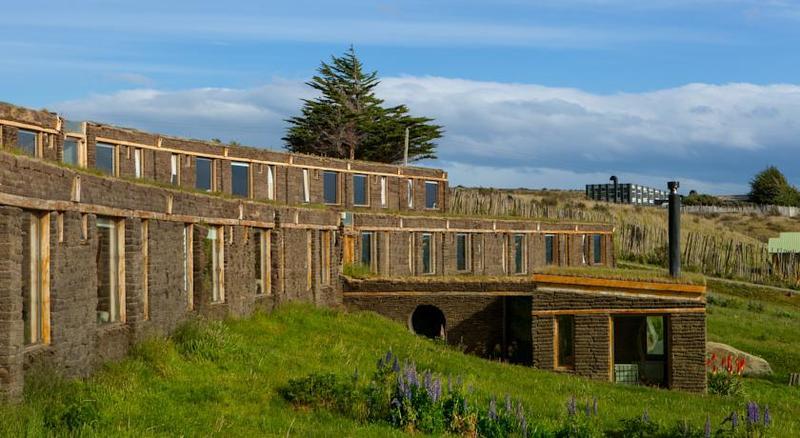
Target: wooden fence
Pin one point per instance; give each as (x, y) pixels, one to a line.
(715, 255)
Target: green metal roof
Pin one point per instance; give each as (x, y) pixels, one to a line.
(786, 242)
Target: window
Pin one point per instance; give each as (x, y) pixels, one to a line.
(565, 341)
(383, 192)
(110, 271)
(411, 253)
(71, 151)
(427, 254)
(463, 252)
(262, 262)
(597, 248)
(240, 179)
(360, 190)
(216, 238)
(27, 141)
(410, 193)
(325, 255)
(549, 249)
(106, 158)
(367, 249)
(431, 194)
(309, 257)
(584, 249)
(271, 182)
(36, 293)
(188, 281)
(175, 169)
(203, 174)
(519, 254)
(655, 336)
(137, 163)
(306, 192)
(330, 187)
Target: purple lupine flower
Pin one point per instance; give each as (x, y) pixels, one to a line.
(508, 403)
(767, 417)
(707, 428)
(395, 365)
(645, 416)
(427, 380)
(459, 382)
(588, 410)
(492, 409)
(449, 384)
(524, 427)
(753, 416)
(734, 419)
(465, 405)
(571, 407)
(594, 406)
(437, 389)
(388, 358)
(380, 364)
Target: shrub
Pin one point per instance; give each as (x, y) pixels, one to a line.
(321, 390)
(357, 270)
(724, 375)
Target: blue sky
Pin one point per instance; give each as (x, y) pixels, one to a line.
(549, 93)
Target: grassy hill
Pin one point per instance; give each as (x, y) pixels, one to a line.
(223, 378)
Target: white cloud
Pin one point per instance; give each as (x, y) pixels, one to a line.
(712, 137)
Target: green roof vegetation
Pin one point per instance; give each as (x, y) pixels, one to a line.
(645, 275)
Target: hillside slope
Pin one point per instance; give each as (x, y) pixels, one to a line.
(223, 379)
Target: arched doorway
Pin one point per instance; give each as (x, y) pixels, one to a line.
(429, 321)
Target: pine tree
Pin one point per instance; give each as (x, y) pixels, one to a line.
(771, 187)
(347, 120)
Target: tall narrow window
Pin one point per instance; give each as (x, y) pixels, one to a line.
(240, 179)
(262, 262)
(463, 252)
(175, 169)
(203, 174)
(36, 293)
(427, 254)
(271, 182)
(565, 341)
(188, 262)
(137, 163)
(325, 256)
(330, 187)
(106, 158)
(597, 248)
(110, 271)
(367, 249)
(28, 141)
(584, 249)
(383, 192)
(549, 250)
(306, 191)
(71, 151)
(145, 270)
(216, 244)
(309, 266)
(431, 194)
(519, 254)
(412, 251)
(410, 193)
(360, 190)
(655, 336)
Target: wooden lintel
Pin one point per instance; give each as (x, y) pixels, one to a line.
(612, 312)
(434, 294)
(28, 126)
(576, 281)
(474, 230)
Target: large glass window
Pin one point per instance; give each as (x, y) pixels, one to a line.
(597, 248)
(330, 187)
(26, 141)
(519, 254)
(70, 155)
(549, 249)
(565, 341)
(427, 254)
(431, 194)
(462, 252)
(35, 298)
(106, 158)
(110, 299)
(367, 249)
(203, 174)
(655, 336)
(240, 179)
(360, 190)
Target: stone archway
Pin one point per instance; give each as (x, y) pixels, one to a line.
(429, 321)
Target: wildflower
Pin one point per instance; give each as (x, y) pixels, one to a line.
(734, 420)
(388, 358)
(465, 405)
(571, 408)
(594, 406)
(493, 409)
(524, 427)
(395, 365)
(645, 416)
(767, 417)
(753, 416)
(707, 428)
(508, 403)
(449, 385)
(588, 410)
(437, 389)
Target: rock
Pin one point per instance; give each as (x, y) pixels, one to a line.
(754, 365)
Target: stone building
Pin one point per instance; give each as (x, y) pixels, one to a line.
(111, 235)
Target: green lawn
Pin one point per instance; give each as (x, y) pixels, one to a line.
(223, 380)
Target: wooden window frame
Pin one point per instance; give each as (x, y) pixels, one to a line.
(467, 252)
(145, 230)
(264, 262)
(249, 179)
(188, 264)
(366, 189)
(218, 264)
(524, 256)
(410, 192)
(436, 205)
(271, 182)
(309, 260)
(336, 189)
(431, 253)
(117, 303)
(325, 256)
(306, 188)
(39, 271)
(384, 192)
(556, 338)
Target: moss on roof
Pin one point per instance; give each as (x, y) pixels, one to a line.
(644, 275)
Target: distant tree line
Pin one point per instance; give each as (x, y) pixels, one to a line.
(768, 187)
